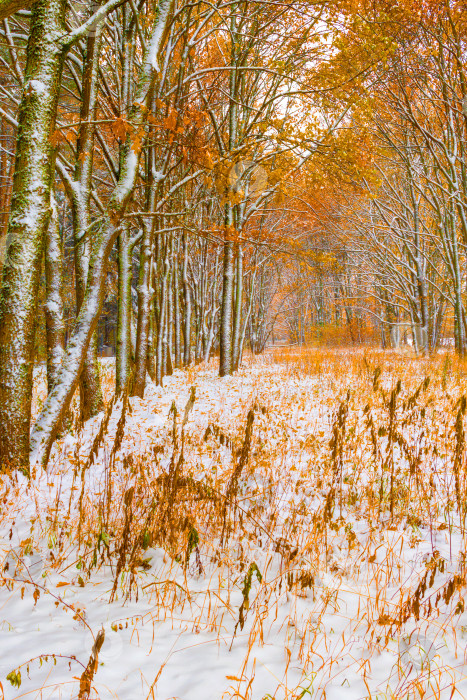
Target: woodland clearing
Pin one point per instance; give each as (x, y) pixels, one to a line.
(296, 530)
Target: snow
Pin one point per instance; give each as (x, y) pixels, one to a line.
(36, 86)
(53, 307)
(179, 637)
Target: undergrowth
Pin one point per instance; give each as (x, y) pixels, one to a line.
(330, 509)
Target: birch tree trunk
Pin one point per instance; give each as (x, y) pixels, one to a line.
(29, 220)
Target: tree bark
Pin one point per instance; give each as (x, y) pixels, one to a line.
(123, 358)
(91, 398)
(54, 311)
(144, 301)
(29, 220)
(161, 352)
(187, 298)
(176, 293)
(226, 349)
(238, 308)
(225, 363)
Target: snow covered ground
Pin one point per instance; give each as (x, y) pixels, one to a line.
(336, 569)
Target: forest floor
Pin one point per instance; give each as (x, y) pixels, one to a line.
(297, 530)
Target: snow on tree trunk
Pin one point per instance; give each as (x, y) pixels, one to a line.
(29, 219)
(144, 301)
(54, 311)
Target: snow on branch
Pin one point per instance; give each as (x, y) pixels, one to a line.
(91, 23)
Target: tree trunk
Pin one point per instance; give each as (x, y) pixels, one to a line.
(29, 221)
(54, 312)
(144, 301)
(187, 298)
(176, 292)
(91, 399)
(123, 358)
(238, 309)
(161, 356)
(225, 363)
(170, 312)
(226, 350)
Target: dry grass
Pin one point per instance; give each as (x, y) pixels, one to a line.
(329, 510)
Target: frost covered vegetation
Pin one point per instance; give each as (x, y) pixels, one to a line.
(297, 530)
